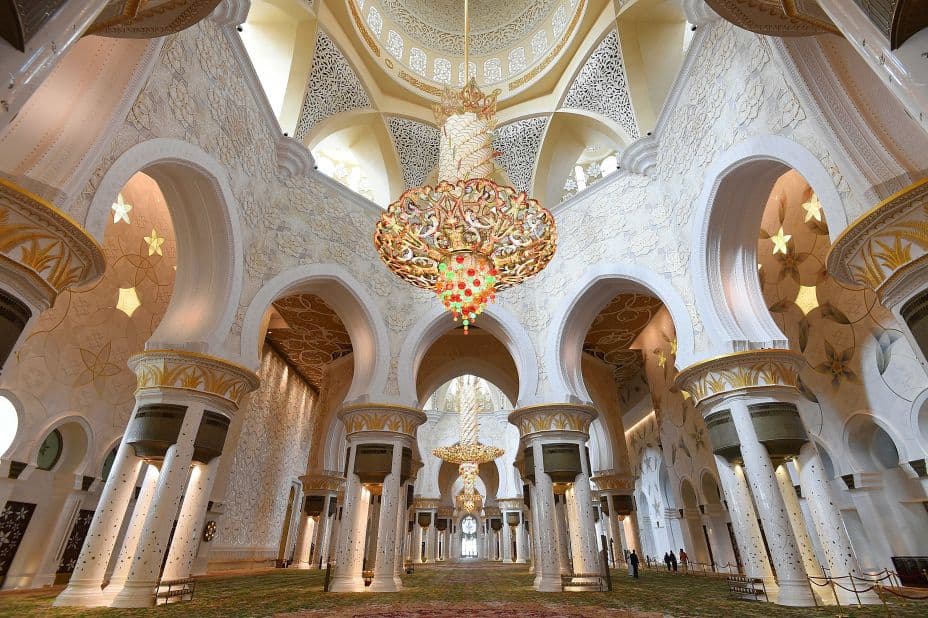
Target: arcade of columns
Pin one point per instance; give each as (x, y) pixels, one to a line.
(368, 521)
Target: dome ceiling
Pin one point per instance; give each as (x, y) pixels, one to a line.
(494, 25)
(421, 42)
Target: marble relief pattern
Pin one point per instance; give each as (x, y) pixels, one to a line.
(272, 452)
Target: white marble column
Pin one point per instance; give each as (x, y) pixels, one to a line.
(190, 521)
(618, 551)
(85, 586)
(385, 578)
(373, 532)
(829, 525)
(144, 573)
(563, 533)
(321, 532)
(547, 567)
(130, 542)
(717, 525)
(521, 540)
(582, 524)
(399, 555)
(349, 549)
(744, 522)
(417, 537)
(797, 522)
(784, 550)
(507, 539)
(304, 539)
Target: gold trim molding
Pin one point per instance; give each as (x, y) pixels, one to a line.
(46, 242)
(381, 417)
(322, 482)
(553, 417)
(607, 480)
(426, 504)
(740, 370)
(180, 369)
(884, 240)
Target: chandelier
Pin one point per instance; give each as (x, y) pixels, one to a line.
(468, 452)
(466, 238)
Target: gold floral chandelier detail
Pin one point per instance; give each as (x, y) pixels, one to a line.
(468, 452)
(468, 237)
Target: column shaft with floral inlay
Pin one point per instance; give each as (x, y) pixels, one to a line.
(748, 401)
(382, 442)
(184, 406)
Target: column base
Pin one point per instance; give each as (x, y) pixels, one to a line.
(522, 561)
(135, 594)
(794, 593)
(347, 583)
(81, 594)
(548, 583)
(386, 584)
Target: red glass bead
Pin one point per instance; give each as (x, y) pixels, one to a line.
(460, 259)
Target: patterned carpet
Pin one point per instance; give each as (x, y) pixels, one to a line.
(451, 591)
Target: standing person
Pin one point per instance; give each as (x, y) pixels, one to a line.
(673, 561)
(633, 564)
(667, 560)
(684, 559)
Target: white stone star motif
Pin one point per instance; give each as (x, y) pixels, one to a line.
(779, 242)
(121, 210)
(813, 209)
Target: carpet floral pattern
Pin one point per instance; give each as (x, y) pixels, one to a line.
(477, 591)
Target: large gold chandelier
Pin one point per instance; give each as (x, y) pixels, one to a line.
(468, 452)
(468, 237)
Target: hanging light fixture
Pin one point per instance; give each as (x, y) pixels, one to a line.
(466, 238)
(468, 452)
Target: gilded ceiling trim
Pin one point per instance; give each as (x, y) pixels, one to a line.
(39, 237)
(381, 417)
(192, 371)
(740, 370)
(883, 240)
(549, 58)
(553, 417)
(148, 19)
(365, 34)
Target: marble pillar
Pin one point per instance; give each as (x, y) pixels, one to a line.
(563, 535)
(521, 540)
(349, 549)
(130, 541)
(582, 524)
(190, 521)
(547, 566)
(829, 525)
(84, 589)
(507, 534)
(744, 522)
(761, 474)
(144, 573)
(385, 577)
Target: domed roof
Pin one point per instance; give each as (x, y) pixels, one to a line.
(494, 25)
(511, 42)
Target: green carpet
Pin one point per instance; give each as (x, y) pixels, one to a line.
(472, 591)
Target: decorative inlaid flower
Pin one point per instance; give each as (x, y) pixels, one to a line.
(837, 365)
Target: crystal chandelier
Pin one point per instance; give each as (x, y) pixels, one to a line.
(468, 237)
(468, 452)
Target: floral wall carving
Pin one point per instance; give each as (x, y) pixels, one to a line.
(271, 453)
(519, 142)
(416, 144)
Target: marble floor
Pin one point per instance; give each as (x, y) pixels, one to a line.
(470, 590)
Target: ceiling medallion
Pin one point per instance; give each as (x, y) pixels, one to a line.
(468, 237)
